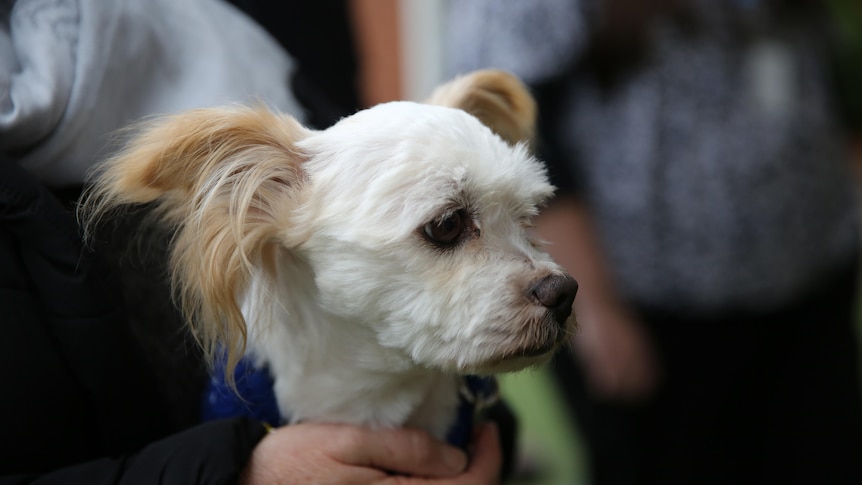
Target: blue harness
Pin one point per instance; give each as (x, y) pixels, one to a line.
(255, 398)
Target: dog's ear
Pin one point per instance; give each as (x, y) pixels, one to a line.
(497, 98)
(225, 179)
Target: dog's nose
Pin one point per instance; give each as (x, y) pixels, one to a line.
(556, 293)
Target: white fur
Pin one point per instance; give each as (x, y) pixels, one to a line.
(312, 246)
(368, 323)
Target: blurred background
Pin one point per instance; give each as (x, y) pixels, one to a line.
(403, 55)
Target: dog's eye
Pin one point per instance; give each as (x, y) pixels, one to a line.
(448, 230)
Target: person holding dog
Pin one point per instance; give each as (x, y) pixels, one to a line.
(83, 406)
(82, 402)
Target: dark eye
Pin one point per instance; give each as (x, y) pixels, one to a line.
(448, 230)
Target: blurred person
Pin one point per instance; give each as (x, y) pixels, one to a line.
(707, 209)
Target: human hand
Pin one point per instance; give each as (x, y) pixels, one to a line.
(617, 355)
(340, 453)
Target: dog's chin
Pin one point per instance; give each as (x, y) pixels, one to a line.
(534, 354)
(510, 363)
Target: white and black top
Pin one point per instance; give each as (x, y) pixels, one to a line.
(717, 172)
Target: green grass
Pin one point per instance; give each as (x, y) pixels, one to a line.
(550, 453)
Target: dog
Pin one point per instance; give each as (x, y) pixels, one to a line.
(368, 266)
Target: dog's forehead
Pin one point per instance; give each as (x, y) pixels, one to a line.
(375, 177)
(404, 150)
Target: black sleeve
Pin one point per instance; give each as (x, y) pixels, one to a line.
(79, 305)
(213, 453)
(63, 310)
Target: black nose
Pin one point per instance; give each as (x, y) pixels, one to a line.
(556, 293)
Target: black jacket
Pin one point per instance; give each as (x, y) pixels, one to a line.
(79, 403)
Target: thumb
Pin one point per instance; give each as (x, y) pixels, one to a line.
(407, 451)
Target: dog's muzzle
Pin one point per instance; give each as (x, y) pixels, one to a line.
(556, 293)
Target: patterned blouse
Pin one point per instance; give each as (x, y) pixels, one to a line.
(717, 173)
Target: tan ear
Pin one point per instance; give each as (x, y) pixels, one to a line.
(224, 178)
(178, 153)
(499, 99)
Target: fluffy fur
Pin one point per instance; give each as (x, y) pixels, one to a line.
(328, 256)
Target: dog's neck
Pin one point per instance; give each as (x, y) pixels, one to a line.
(328, 368)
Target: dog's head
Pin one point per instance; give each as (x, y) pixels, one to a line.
(409, 219)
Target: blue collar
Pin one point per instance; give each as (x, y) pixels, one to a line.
(254, 396)
(256, 399)
(475, 395)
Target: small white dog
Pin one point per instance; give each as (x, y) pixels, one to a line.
(368, 265)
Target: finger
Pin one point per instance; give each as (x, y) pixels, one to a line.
(406, 451)
(487, 457)
(484, 467)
